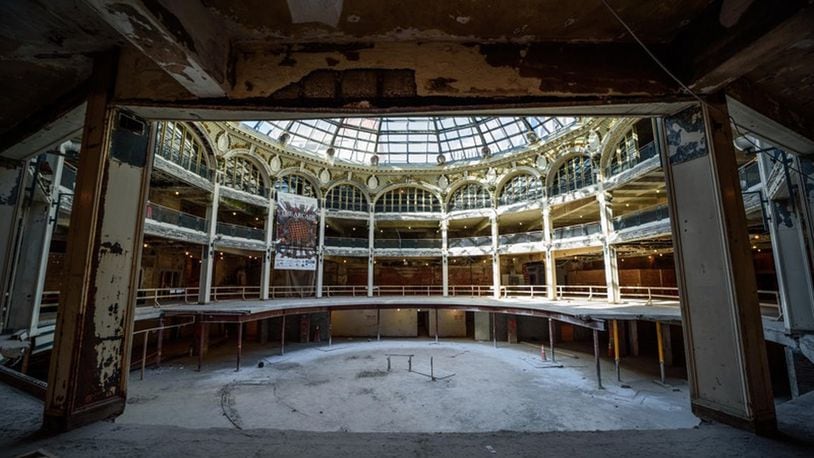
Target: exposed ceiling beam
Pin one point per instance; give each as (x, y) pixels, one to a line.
(181, 37)
(712, 54)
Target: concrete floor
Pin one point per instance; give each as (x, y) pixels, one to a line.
(347, 388)
(21, 415)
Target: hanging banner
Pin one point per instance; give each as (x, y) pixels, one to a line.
(297, 225)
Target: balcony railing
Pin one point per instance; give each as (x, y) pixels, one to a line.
(466, 242)
(346, 242)
(643, 217)
(645, 152)
(68, 178)
(579, 230)
(407, 243)
(521, 237)
(163, 214)
(233, 230)
(247, 186)
(171, 154)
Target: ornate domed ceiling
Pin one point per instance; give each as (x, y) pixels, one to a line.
(413, 140)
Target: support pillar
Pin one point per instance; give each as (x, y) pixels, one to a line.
(208, 253)
(608, 250)
(321, 251)
(596, 360)
(633, 336)
(445, 257)
(495, 257)
(90, 362)
(723, 331)
(511, 329)
(266, 271)
(371, 265)
(550, 260)
(37, 220)
(791, 240)
(13, 177)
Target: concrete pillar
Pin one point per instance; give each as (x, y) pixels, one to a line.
(90, 362)
(633, 336)
(445, 256)
(550, 260)
(495, 256)
(511, 329)
(791, 241)
(608, 251)
(483, 326)
(36, 226)
(208, 253)
(268, 266)
(723, 331)
(321, 251)
(667, 340)
(263, 331)
(371, 235)
(12, 184)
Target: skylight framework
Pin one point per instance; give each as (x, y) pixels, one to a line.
(412, 140)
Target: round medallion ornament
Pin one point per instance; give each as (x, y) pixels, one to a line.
(594, 141)
(372, 182)
(324, 176)
(223, 142)
(374, 160)
(275, 164)
(486, 152)
(491, 176)
(542, 162)
(330, 152)
(441, 159)
(443, 182)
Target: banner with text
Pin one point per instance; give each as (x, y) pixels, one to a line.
(297, 225)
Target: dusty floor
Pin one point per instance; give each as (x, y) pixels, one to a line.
(347, 388)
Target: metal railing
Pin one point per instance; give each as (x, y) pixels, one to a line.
(471, 290)
(344, 290)
(637, 219)
(163, 214)
(579, 230)
(464, 242)
(155, 296)
(220, 293)
(246, 186)
(521, 237)
(749, 175)
(292, 291)
(645, 152)
(170, 153)
(408, 243)
(346, 242)
(245, 232)
(408, 290)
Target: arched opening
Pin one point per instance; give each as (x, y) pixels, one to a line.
(574, 173)
(409, 200)
(521, 188)
(470, 196)
(346, 197)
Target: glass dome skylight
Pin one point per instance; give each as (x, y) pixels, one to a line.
(412, 140)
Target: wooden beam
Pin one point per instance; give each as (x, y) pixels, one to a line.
(712, 54)
(182, 38)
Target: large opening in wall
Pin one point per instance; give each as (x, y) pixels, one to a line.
(457, 208)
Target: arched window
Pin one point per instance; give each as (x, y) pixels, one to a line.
(241, 173)
(295, 184)
(521, 188)
(468, 197)
(635, 147)
(415, 200)
(346, 197)
(576, 172)
(176, 143)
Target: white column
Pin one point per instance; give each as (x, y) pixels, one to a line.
(789, 235)
(37, 226)
(726, 354)
(495, 256)
(266, 272)
(608, 250)
(445, 256)
(208, 252)
(371, 233)
(550, 260)
(320, 251)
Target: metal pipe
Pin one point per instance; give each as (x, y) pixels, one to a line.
(432, 371)
(202, 328)
(282, 337)
(436, 324)
(388, 364)
(160, 344)
(616, 349)
(330, 330)
(144, 354)
(239, 345)
(661, 350)
(596, 359)
(551, 339)
(378, 324)
(494, 332)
